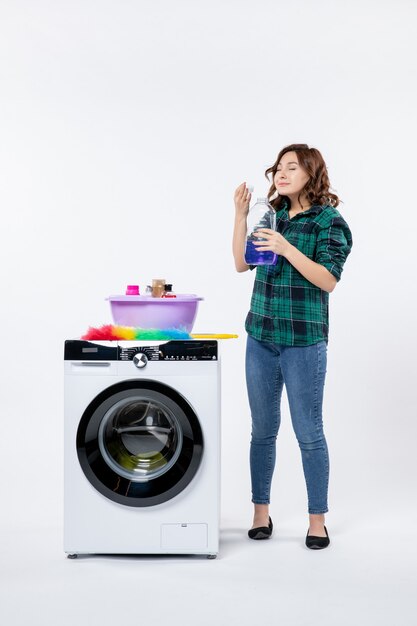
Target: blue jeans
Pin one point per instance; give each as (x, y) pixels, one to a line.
(303, 370)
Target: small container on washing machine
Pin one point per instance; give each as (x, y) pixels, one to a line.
(132, 290)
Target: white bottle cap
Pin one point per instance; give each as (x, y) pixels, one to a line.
(249, 188)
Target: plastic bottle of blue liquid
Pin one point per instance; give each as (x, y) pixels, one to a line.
(261, 215)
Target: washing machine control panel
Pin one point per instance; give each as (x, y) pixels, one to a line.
(170, 351)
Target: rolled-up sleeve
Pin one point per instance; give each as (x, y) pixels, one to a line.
(334, 244)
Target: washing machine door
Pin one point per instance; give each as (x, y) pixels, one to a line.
(139, 443)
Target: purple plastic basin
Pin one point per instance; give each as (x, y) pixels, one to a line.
(149, 312)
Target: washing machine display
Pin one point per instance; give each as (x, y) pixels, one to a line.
(139, 443)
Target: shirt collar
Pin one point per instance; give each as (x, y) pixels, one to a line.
(313, 210)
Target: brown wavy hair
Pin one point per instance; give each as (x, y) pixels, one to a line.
(317, 188)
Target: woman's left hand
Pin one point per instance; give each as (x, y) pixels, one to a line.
(275, 242)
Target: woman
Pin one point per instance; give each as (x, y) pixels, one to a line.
(287, 325)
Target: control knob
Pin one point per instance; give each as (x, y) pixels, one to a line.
(140, 359)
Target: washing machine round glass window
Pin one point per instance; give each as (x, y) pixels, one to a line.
(139, 443)
(140, 438)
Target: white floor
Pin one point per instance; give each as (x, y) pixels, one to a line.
(367, 576)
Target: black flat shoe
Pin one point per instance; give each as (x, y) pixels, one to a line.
(317, 543)
(262, 532)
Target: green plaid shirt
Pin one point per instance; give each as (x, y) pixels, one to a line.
(286, 308)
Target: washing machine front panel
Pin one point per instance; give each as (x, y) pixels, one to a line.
(139, 442)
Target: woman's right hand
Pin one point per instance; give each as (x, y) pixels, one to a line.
(242, 199)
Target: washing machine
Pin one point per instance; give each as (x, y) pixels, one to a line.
(142, 447)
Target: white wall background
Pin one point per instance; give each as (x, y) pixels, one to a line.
(125, 129)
